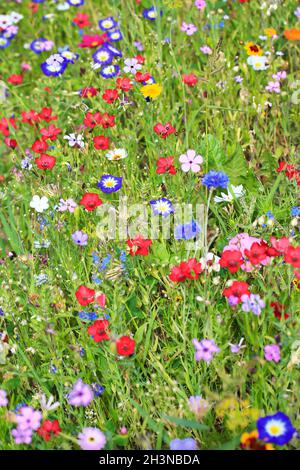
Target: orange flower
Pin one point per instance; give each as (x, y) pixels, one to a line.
(249, 441)
(270, 32)
(292, 34)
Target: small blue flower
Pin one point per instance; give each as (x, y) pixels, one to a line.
(115, 52)
(70, 56)
(103, 56)
(215, 179)
(183, 444)
(110, 71)
(82, 352)
(162, 207)
(110, 184)
(4, 43)
(275, 429)
(270, 215)
(187, 231)
(115, 36)
(37, 45)
(295, 211)
(107, 23)
(75, 3)
(54, 65)
(151, 13)
(97, 389)
(1, 312)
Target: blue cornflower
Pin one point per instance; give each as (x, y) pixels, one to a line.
(162, 207)
(215, 179)
(183, 444)
(187, 231)
(107, 23)
(92, 316)
(110, 184)
(82, 315)
(97, 389)
(275, 429)
(123, 256)
(109, 71)
(105, 262)
(96, 279)
(295, 211)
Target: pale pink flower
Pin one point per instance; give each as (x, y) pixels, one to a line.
(191, 161)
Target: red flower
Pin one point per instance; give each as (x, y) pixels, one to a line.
(39, 146)
(93, 41)
(281, 244)
(139, 245)
(11, 143)
(99, 330)
(292, 256)
(257, 253)
(107, 120)
(278, 310)
(190, 79)
(125, 346)
(186, 270)
(101, 142)
(15, 79)
(164, 130)
(30, 117)
(4, 125)
(88, 92)
(49, 429)
(140, 59)
(237, 289)
(50, 132)
(45, 162)
(81, 20)
(90, 201)
(46, 115)
(165, 165)
(110, 96)
(124, 84)
(92, 120)
(142, 77)
(231, 259)
(84, 295)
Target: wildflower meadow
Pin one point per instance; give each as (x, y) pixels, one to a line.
(149, 225)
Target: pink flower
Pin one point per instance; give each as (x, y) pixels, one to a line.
(91, 439)
(273, 87)
(188, 28)
(3, 398)
(28, 418)
(191, 161)
(242, 242)
(272, 352)
(205, 349)
(81, 394)
(206, 50)
(200, 4)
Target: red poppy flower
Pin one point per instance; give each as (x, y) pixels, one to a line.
(15, 79)
(107, 120)
(231, 259)
(140, 59)
(81, 20)
(45, 162)
(190, 79)
(165, 165)
(49, 429)
(11, 143)
(30, 117)
(101, 142)
(124, 84)
(237, 289)
(99, 330)
(90, 201)
(85, 295)
(125, 346)
(139, 245)
(92, 120)
(164, 130)
(46, 115)
(257, 253)
(93, 41)
(50, 132)
(177, 275)
(88, 92)
(278, 310)
(39, 146)
(110, 96)
(4, 125)
(186, 270)
(292, 256)
(142, 77)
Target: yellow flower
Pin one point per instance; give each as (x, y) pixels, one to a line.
(151, 91)
(253, 49)
(270, 32)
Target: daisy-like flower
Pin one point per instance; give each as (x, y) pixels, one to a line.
(54, 65)
(91, 439)
(116, 154)
(50, 404)
(102, 56)
(110, 71)
(151, 91)
(110, 184)
(132, 66)
(276, 429)
(75, 140)
(115, 36)
(162, 207)
(234, 192)
(253, 49)
(40, 204)
(258, 62)
(107, 23)
(190, 161)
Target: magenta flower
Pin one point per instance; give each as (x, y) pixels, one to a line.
(272, 352)
(81, 394)
(191, 161)
(205, 349)
(200, 4)
(91, 439)
(22, 436)
(188, 28)
(28, 418)
(3, 398)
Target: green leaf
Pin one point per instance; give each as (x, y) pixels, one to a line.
(186, 423)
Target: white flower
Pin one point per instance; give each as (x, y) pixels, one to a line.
(234, 192)
(48, 405)
(15, 17)
(210, 262)
(5, 21)
(75, 140)
(116, 154)
(258, 62)
(132, 66)
(39, 203)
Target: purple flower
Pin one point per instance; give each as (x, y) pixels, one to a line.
(68, 205)
(162, 207)
(3, 398)
(183, 444)
(110, 183)
(238, 79)
(235, 348)
(138, 45)
(81, 394)
(28, 418)
(272, 352)
(200, 4)
(80, 238)
(277, 429)
(252, 303)
(205, 349)
(22, 436)
(281, 75)
(273, 87)
(297, 13)
(206, 50)
(91, 439)
(188, 28)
